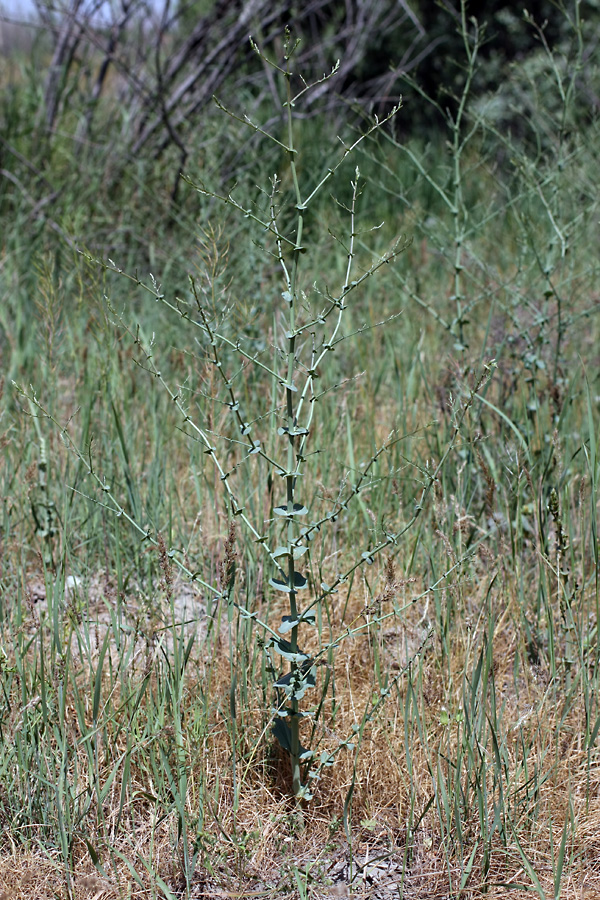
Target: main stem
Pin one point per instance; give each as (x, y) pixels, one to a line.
(290, 485)
(291, 455)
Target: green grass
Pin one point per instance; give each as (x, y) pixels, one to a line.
(454, 716)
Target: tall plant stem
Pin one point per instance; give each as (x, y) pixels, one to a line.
(291, 423)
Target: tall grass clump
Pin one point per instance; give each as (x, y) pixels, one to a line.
(504, 219)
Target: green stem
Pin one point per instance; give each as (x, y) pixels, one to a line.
(291, 455)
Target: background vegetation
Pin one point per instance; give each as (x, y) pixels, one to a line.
(136, 704)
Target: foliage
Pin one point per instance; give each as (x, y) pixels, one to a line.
(458, 690)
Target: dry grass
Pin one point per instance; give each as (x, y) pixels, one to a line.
(255, 837)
